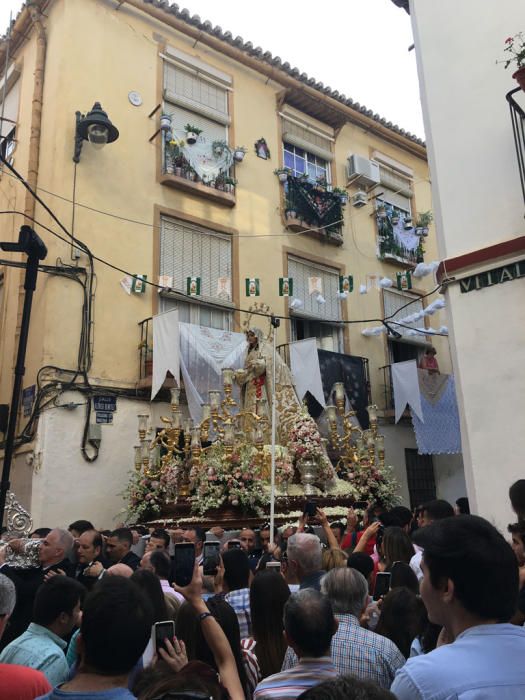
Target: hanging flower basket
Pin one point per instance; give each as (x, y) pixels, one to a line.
(282, 174)
(192, 134)
(519, 77)
(239, 153)
(165, 122)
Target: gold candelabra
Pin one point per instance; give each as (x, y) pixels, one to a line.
(348, 439)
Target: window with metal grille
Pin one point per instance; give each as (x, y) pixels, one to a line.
(187, 250)
(420, 477)
(393, 301)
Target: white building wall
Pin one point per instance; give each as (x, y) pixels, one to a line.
(66, 487)
(478, 202)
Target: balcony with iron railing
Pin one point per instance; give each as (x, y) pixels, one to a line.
(398, 239)
(313, 207)
(516, 100)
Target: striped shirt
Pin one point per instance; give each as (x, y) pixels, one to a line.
(289, 684)
(359, 652)
(240, 602)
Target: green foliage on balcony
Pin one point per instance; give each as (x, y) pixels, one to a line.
(315, 204)
(389, 245)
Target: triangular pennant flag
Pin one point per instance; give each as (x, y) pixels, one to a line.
(346, 284)
(404, 280)
(224, 288)
(138, 285)
(315, 284)
(193, 286)
(253, 287)
(285, 286)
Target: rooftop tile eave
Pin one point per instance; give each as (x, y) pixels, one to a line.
(277, 62)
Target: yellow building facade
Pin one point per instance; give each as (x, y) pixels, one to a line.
(140, 60)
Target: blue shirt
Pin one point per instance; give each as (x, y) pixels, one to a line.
(38, 648)
(484, 663)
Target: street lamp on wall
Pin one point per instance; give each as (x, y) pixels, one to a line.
(95, 127)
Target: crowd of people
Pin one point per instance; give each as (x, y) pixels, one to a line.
(422, 605)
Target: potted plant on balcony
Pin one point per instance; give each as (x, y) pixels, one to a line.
(394, 219)
(165, 122)
(229, 184)
(381, 211)
(341, 194)
(282, 174)
(423, 222)
(238, 153)
(515, 47)
(290, 211)
(192, 133)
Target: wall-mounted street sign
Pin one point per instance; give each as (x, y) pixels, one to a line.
(105, 403)
(104, 417)
(507, 273)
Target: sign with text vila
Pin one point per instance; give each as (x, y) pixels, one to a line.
(506, 273)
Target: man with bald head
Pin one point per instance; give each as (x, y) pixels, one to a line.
(54, 558)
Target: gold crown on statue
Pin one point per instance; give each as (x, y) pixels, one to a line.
(256, 309)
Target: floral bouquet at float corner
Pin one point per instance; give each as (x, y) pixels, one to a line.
(223, 479)
(375, 484)
(146, 494)
(284, 469)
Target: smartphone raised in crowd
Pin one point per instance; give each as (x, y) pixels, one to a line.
(273, 565)
(184, 560)
(310, 508)
(234, 544)
(161, 632)
(210, 558)
(382, 584)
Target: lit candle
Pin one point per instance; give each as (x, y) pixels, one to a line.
(380, 443)
(227, 376)
(215, 399)
(331, 414)
(144, 446)
(339, 391)
(143, 425)
(228, 434)
(195, 438)
(372, 413)
(370, 442)
(175, 395)
(206, 411)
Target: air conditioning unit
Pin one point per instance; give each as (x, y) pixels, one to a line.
(363, 171)
(359, 199)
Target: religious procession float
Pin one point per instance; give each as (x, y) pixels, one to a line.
(218, 469)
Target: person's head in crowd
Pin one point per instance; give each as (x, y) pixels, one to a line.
(396, 546)
(362, 562)
(57, 605)
(237, 571)
(40, 533)
(346, 688)
(418, 516)
(462, 506)
(122, 570)
(309, 623)
(517, 498)
(268, 595)
(247, 538)
(55, 547)
(118, 544)
(195, 680)
(339, 531)
(89, 546)
(287, 532)
(470, 574)
(80, 526)
(304, 554)
(517, 530)
(196, 536)
(145, 562)
(403, 515)
(159, 539)
(149, 584)
(105, 533)
(264, 536)
(288, 572)
(333, 558)
(436, 510)
(161, 564)
(347, 591)
(188, 628)
(115, 629)
(402, 618)
(7, 601)
(403, 576)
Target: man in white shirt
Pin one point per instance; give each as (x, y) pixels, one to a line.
(470, 586)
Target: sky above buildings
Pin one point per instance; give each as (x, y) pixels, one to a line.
(358, 47)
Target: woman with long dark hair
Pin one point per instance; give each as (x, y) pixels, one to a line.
(188, 629)
(268, 595)
(396, 546)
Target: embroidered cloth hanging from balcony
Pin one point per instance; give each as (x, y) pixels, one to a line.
(204, 352)
(438, 432)
(165, 349)
(208, 158)
(406, 388)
